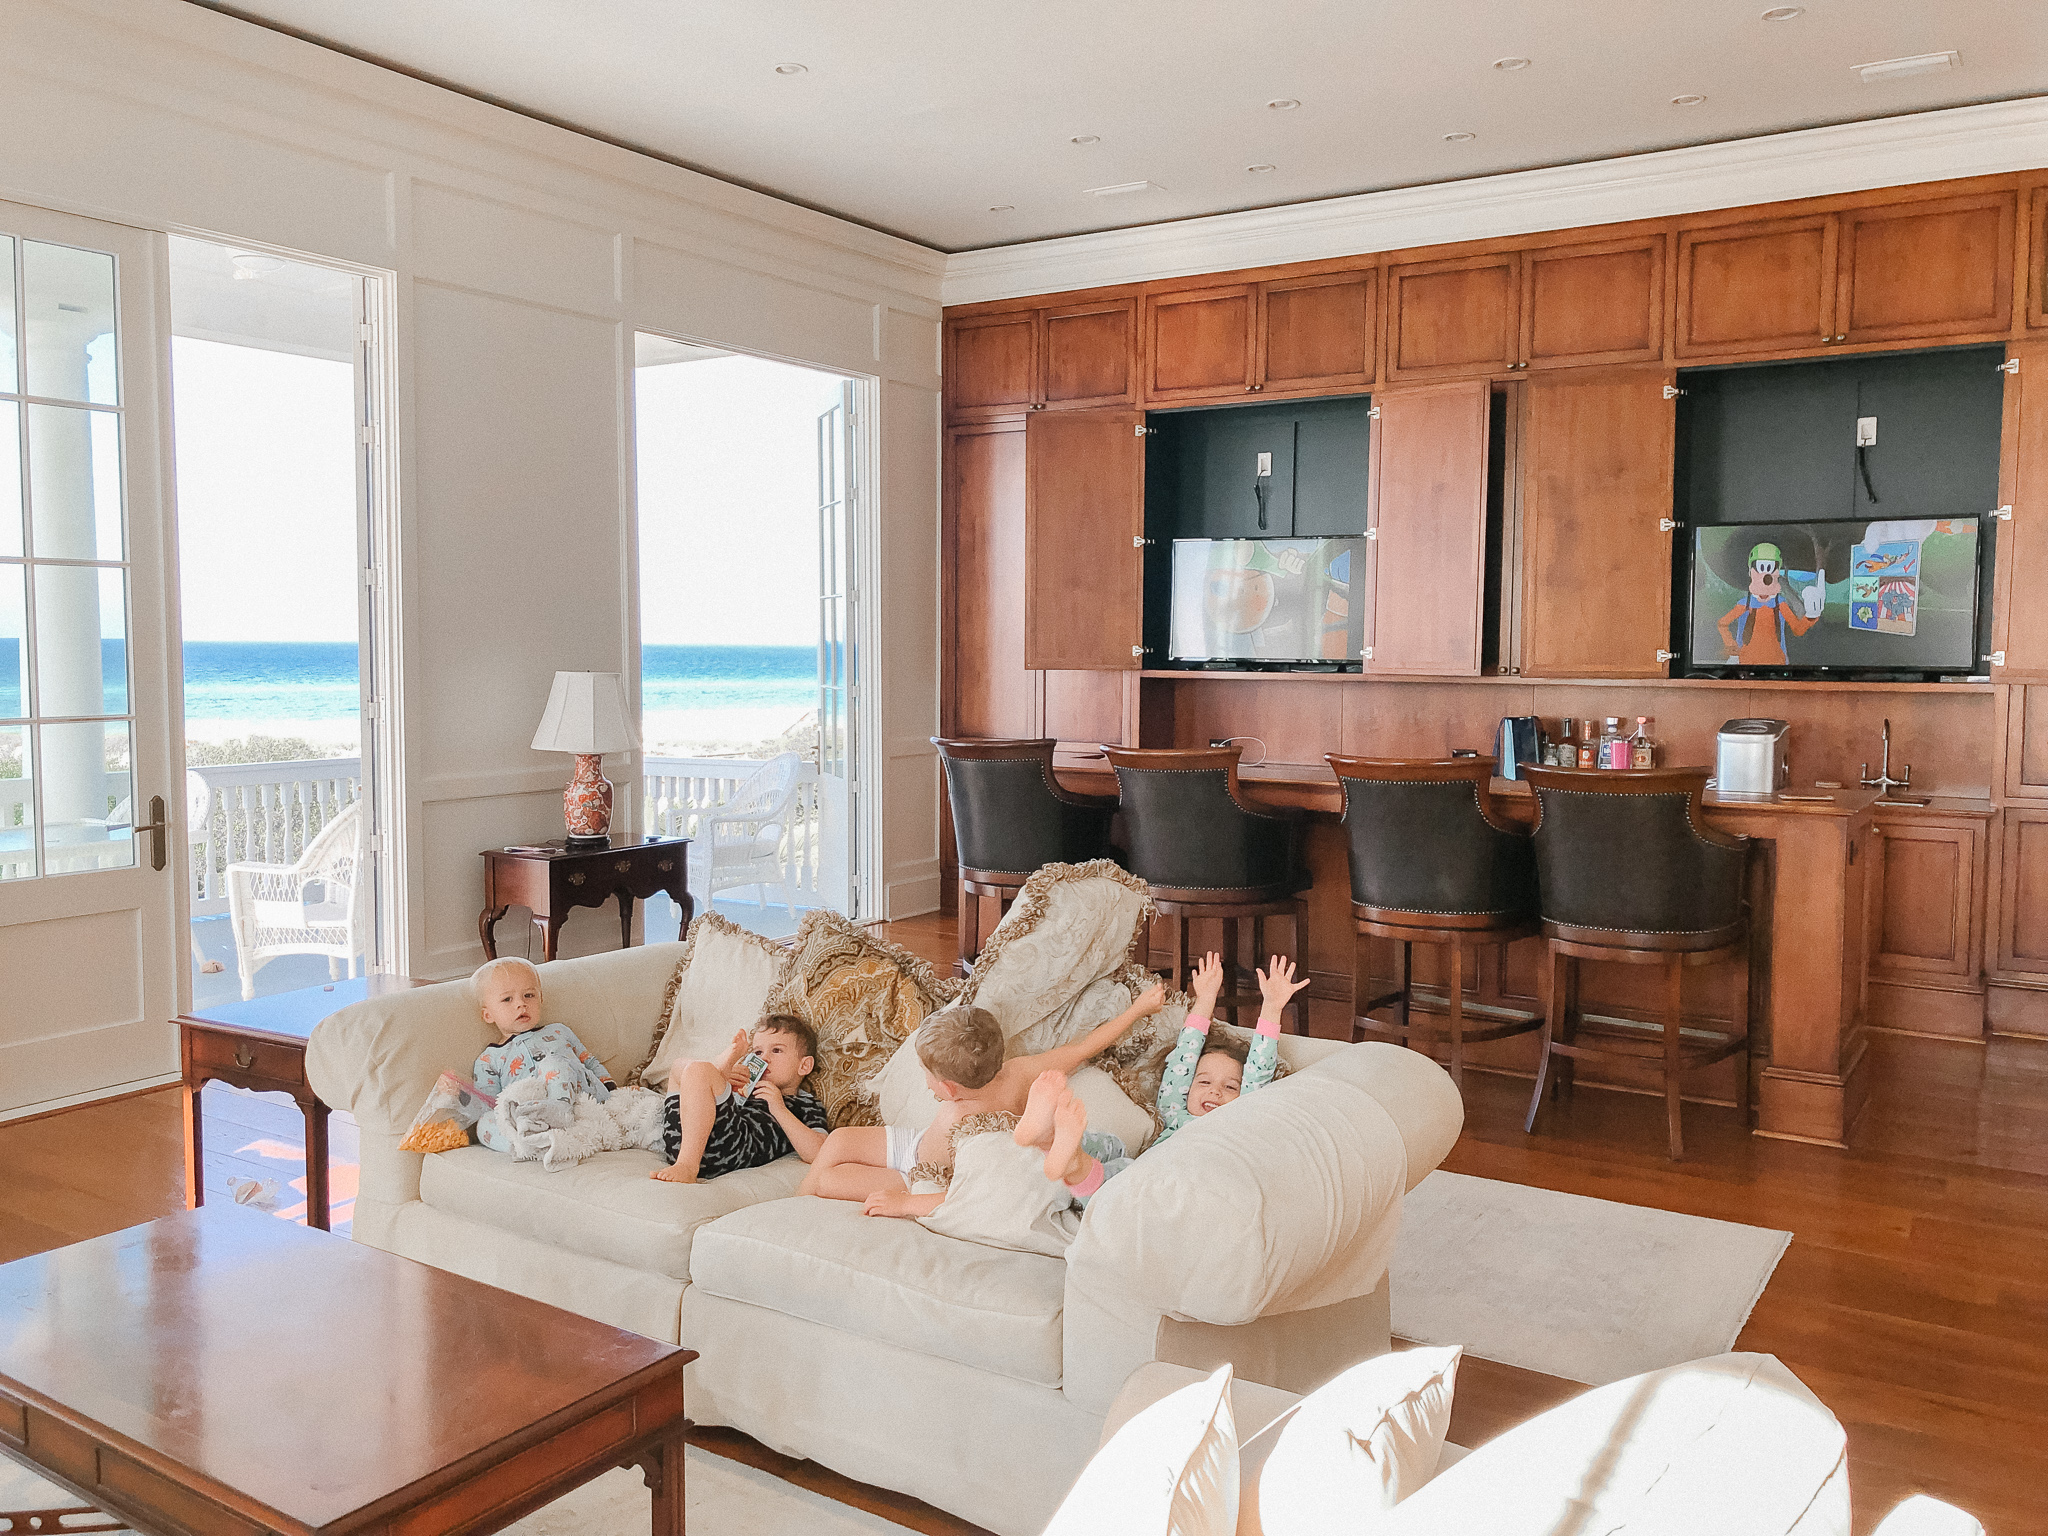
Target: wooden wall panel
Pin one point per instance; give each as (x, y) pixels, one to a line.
(1298, 721)
(1085, 706)
(1446, 318)
(994, 694)
(991, 364)
(2023, 896)
(1939, 267)
(1597, 303)
(1763, 286)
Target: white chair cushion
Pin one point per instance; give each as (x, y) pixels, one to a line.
(1730, 1443)
(1170, 1471)
(1358, 1445)
(889, 1280)
(604, 1207)
(721, 979)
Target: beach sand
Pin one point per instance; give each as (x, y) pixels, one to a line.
(667, 733)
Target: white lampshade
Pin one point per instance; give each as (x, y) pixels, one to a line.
(586, 713)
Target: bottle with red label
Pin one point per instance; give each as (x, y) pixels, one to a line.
(1614, 748)
(1641, 748)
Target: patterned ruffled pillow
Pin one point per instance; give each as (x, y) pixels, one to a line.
(864, 996)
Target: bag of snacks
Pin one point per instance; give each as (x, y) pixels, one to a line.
(444, 1121)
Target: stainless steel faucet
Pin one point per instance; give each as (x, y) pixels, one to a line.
(1884, 780)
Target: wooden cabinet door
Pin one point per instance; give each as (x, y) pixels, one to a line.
(1926, 892)
(1938, 267)
(990, 690)
(991, 365)
(2019, 623)
(1427, 560)
(2037, 258)
(1317, 334)
(2021, 951)
(1447, 318)
(1198, 345)
(1591, 304)
(1596, 488)
(1084, 520)
(1767, 286)
(1089, 355)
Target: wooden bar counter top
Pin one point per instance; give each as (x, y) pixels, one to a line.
(1807, 888)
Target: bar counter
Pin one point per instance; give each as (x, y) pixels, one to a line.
(1807, 869)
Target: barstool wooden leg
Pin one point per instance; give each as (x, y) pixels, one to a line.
(1177, 952)
(1741, 1027)
(1457, 949)
(1405, 981)
(1233, 970)
(1674, 983)
(1552, 1019)
(970, 912)
(1361, 983)
(1568, 1027)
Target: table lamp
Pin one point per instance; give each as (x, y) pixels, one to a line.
(586, 715)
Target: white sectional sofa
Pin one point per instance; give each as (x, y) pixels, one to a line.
(971, 1376)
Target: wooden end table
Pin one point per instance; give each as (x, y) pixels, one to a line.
(261, 1045)
(549, 884)
(220, 1371)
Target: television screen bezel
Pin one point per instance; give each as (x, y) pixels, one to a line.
(1251, 663)
(1808, 671)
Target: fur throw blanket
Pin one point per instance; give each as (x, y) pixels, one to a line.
(561, 1134)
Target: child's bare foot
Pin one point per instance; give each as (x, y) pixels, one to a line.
(1064, 1159)
(1035, 1124)
(674, 1173)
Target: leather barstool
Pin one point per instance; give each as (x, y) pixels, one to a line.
(1432, 862)
(1009, 817)
(1629, 872)
(1206, 854)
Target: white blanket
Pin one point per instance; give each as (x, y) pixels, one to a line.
(560, 1135)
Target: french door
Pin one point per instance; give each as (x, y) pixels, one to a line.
(91, 963)
(838, 658)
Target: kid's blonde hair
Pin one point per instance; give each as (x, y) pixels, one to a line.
(961, 1045)
(480, 978)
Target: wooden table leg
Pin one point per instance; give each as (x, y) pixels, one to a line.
(487, 930)
(195, 1147)
(551, 929)
(625, 919)
(316, 1164)
(663, 1470)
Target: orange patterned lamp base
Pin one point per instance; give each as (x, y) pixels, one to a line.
(587, 803)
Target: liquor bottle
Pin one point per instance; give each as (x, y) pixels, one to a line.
(1641, 749)
(1564, 750)
(1589, 747)
(1614, 751)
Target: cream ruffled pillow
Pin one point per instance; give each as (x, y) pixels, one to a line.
(719, 985)
(1000, 1197)
(1071, 926)
(1170, 1471)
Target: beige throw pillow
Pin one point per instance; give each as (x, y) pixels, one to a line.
(1071, 926)
(719, 986)
(1170, 1471)
(1001, 1198)
(1358, 1445)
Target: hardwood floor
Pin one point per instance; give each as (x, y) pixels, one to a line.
(1913, 1300)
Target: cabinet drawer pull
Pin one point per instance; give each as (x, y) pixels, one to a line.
(577, 878)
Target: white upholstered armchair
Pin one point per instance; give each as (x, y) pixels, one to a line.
(312, 907)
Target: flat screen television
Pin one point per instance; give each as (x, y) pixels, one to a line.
(1838, 597)
(1266, 600)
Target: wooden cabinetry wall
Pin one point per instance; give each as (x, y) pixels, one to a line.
(1578, 336)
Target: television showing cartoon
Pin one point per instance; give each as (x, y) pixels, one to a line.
(1898, 595)
(1267, 600)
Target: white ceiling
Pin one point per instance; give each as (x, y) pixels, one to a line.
(915, 117)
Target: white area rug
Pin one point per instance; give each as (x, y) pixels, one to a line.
(722, 1498)
(1590, 1290)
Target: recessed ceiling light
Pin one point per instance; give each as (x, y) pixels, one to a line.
(792, 69)
(1918, 64)
(1002, 207)
(1124, 189)
(1784, 12)
(1283, 103)
(1086, 138)
(1257, 169)
(1460, 138)
(1511, 63)
(1687, 100)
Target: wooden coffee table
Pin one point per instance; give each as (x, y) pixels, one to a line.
(221, 1371)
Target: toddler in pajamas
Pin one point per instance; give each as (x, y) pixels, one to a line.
(508, 994)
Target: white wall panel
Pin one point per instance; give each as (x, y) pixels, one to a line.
(910, 348)
(701, 298)
(479, 242)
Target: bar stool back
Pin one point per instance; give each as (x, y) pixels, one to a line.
(1009, 817)
(1207, 854)
(1631, 873)
(1433, 861)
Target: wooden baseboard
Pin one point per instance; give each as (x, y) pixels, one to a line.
(1915, 1010)
(2021, 1011)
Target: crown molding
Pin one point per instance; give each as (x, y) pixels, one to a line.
(1809, 162)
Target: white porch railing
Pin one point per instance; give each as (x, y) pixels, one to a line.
(676, 791)
(263, 813)
(17, 817)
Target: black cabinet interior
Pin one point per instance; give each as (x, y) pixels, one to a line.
(1290, 469)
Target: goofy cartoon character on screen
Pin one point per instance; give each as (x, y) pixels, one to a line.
(1754, 629)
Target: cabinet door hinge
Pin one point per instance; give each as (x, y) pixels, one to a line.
(1366, 653)
(1141, 430)
(1139, 541)
(1373, 413)
(2003, 514)
(1672, 391)
(1665, 525)
(1996, 658)
(1372, 533)
(2010, 365)
(1663, 656)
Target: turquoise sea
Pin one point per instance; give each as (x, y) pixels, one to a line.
(317, 681)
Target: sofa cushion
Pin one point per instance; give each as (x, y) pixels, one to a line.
(891, 1281)
(718, 986)
(1070, 926)
(604, 1207)
(864, 996)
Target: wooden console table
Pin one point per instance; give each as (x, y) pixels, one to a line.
(260, 1045)
(549, 884)
(220, 1371)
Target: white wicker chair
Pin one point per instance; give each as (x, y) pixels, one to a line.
(739, 843)
(307, 908)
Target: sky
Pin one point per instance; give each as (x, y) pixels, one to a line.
(728, 458)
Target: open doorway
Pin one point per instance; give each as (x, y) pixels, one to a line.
(278, 574)
(747, 663)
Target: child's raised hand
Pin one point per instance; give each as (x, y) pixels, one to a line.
(1208, 982)
(1277, 985)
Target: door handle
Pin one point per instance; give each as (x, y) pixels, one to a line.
(157, 825)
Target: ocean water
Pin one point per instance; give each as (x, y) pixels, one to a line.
(317, 682)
